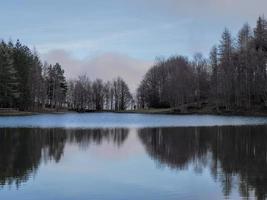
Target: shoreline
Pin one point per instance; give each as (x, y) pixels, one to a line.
(30, 113)
(169, 111)
(173, 112)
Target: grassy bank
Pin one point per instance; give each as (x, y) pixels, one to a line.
(150, 111)
(204, 109)
(17, 113)
(182, 110)
(27, 113)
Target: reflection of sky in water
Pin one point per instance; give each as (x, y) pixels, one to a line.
(106, 170)
(115, 120)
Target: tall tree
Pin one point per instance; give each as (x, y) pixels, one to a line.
(244, 77)
(260, 34)
(23, 65)
(214, 76)
(8, 77)
(226, 50)
(57, 86)
(98, 94)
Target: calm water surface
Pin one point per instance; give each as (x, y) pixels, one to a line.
(134, 159)
(123, 120)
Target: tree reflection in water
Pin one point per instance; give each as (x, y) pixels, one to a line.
(232, 153)
(236, 156)
(22, 150)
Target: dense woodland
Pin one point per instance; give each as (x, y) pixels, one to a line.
(26, 83)
(234, 77)
(29, 85)
(98, 95)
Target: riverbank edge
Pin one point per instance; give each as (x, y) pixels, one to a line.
(169, 111)
(28, 113)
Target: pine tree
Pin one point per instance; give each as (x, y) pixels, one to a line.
(214, 76)
(8, 77)
(226, 51)
(244, 76)
(23, 65)
(260, 35)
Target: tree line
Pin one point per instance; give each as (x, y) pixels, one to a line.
(84, 94)
(233, 77)
(28, 84)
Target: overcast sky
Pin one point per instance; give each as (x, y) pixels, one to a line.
(107, 38)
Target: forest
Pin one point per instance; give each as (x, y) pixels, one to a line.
(29, 85)
(233, 78)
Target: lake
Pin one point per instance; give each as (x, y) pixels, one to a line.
(132, 156)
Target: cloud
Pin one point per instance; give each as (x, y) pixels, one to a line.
(106, 66)
(143, 29)
(193, 7)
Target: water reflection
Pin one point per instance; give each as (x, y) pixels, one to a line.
(236, 157)
(22, 150)
(233, 154)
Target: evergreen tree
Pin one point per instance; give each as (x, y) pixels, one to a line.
(227, 68)
(244, 78)
(8, 77)
(23, 64)
(260, 35)
(214, 76)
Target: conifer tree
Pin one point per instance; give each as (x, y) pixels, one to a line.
(8, 77)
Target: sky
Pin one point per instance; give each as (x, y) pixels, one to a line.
(109, 38)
